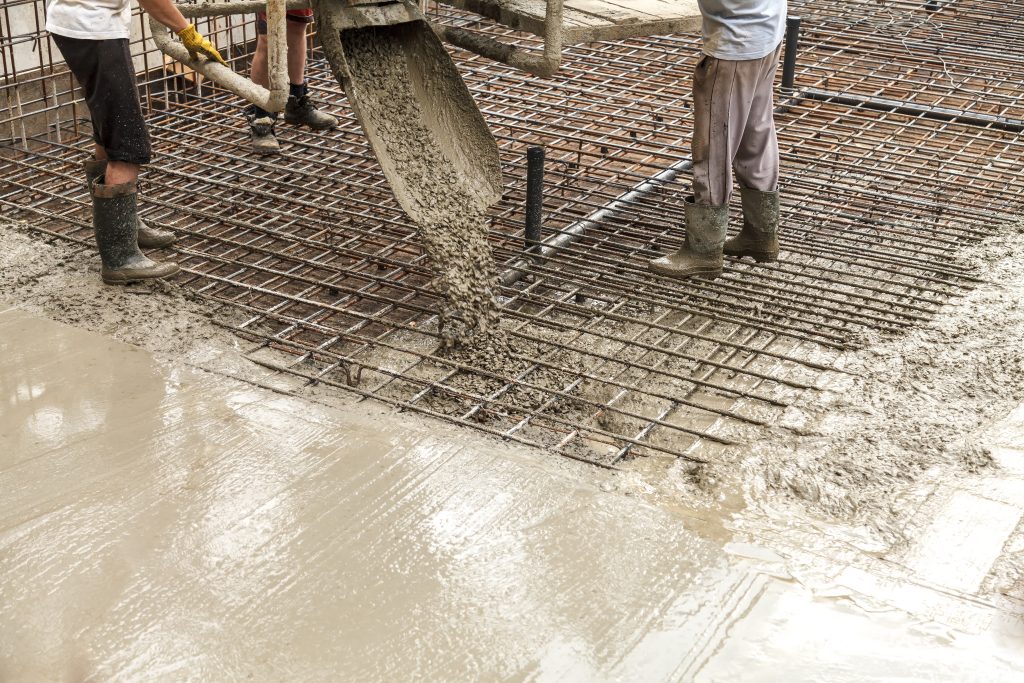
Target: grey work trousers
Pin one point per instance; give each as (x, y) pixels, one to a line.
(734, 127)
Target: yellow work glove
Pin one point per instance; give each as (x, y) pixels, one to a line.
(197, 45)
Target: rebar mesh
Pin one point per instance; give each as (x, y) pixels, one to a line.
(610, 362)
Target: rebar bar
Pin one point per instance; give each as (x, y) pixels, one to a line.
(328, 281)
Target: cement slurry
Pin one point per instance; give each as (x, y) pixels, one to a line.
(450, 209)
(165, 523)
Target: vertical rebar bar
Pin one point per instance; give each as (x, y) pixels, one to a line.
(789, 59)
(534, 196)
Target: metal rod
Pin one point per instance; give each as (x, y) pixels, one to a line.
(567, 236)
(534, 195)
(911, 109)
(789, 56)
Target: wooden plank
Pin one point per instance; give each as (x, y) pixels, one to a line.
(591, 20)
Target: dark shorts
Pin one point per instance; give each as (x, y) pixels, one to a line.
(303, 16)
(105, 71)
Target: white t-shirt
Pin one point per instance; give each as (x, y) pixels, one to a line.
(89, 19)
(742, 29)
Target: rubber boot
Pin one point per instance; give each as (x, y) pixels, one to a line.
(261, 129)
(701, 253)
(759, 237)
(116, 225)
(149, 238)
(302, 112)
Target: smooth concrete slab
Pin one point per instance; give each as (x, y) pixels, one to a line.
(162, 523)
(590, 20)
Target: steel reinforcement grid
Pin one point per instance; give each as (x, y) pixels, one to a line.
(900, 143)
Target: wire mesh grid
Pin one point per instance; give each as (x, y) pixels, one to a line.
(331, 284)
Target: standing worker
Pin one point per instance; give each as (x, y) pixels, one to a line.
(93, 39)
(733, 130)
(300, 109)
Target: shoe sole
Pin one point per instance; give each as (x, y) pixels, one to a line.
(128, 281)
(311, 127)
(160, 244)
(710, 274)
(759, 256)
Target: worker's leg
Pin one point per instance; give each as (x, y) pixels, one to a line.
(301, 110)
(707, 212)
(106, 73)
(117, 172)
(295, 36)
(757, 165)
(261, 122)
(111, 172)
(719, 117)
(296, 32)
(258, 71)
(757, 155)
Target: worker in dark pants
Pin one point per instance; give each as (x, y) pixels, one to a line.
(733, 132)
(300, 110)
(93, 39)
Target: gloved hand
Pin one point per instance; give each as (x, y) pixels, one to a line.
(197, 45)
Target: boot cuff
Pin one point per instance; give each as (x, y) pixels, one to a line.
(690, 204)
(93, 166)
(111, 191)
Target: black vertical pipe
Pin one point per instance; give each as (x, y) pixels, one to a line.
(534, 194)
(789, 58)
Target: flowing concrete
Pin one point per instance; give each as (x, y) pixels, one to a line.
(165, 523)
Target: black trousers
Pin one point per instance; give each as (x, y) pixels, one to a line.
(105, 71)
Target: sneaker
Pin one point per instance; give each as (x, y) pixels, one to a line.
(301, 111)
(263, 139)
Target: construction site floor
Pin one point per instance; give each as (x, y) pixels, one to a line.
(165, 522)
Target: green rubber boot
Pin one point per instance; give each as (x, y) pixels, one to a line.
(115, 221)
(149, 238)
(701, 253)
(759, 237)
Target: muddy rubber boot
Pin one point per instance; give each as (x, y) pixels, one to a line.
(701, 253)
(264, 142)
(302, 112)
(115, 221)
(149, 238)
(759, 237)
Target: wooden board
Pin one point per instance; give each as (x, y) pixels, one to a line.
(588, 20)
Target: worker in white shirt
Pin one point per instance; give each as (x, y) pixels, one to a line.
(93, 39)
(733, 131)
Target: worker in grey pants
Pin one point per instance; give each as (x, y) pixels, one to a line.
(733, 131)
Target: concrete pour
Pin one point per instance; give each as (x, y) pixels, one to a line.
(448, 207)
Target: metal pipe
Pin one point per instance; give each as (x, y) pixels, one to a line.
(534, 195)
(272, 99)
(544, 65)
(564, 238)
(911, 109)
(789, 58)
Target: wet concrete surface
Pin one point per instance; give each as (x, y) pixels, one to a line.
(161, 522)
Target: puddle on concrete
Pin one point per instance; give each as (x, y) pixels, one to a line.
(786, 633)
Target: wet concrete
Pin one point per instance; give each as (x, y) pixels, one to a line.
(441, 161)
(161, 522)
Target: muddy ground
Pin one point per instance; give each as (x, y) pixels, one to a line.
(60, 280)
(867, 452)
(863, 453)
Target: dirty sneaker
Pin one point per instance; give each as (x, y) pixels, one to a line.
(263, 139)
(301, 111)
